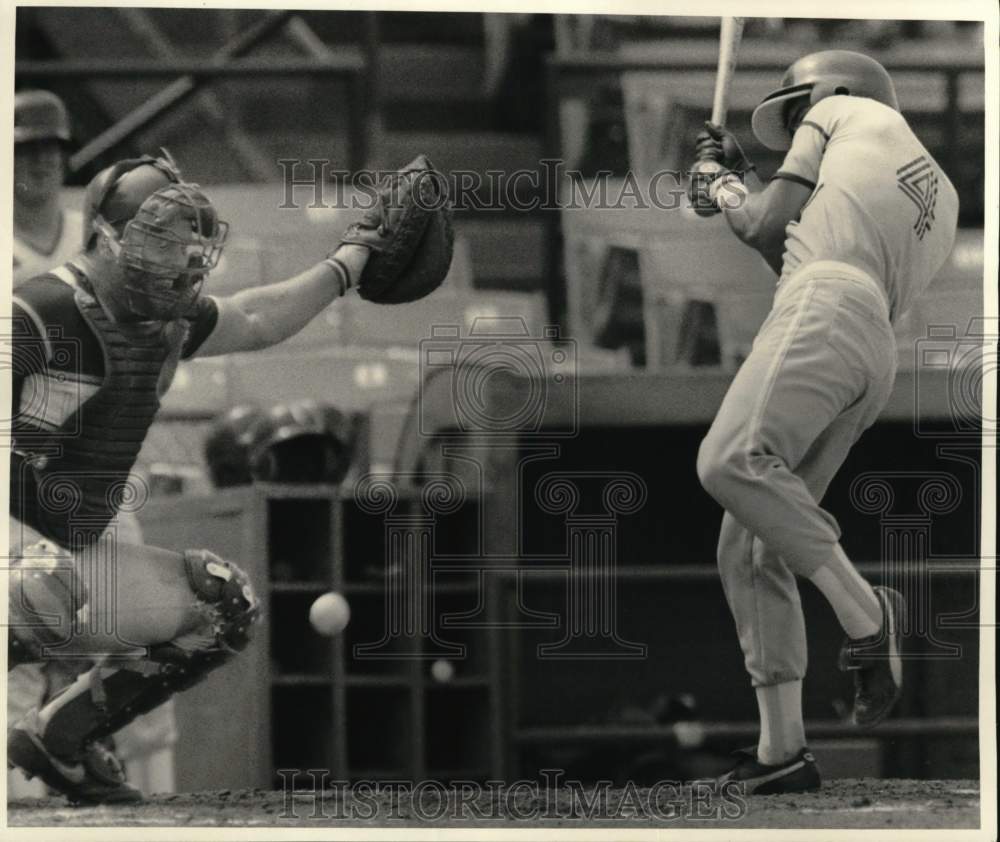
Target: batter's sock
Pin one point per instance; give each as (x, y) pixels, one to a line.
(853, 600)
(782, 732)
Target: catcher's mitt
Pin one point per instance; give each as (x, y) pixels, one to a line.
(409, 234)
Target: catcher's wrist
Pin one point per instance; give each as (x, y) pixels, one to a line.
(340, 270)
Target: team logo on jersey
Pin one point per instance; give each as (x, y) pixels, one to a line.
(918, 180)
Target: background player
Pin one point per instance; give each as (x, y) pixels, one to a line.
(857, 221)
(45, 233)
(131, 306)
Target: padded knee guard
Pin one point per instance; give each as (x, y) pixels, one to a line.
(115, 692)
(43, 597)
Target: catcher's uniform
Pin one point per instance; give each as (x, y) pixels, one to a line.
(29, 261)
(75, 370)
(61, 364)
(879, 224)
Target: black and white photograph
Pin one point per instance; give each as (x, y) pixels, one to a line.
(464, 419)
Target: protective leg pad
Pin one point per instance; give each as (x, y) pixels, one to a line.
(42, 601)
(113, 694)
(84, 716)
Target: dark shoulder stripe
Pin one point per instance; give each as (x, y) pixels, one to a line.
(818, 127)
(798, 179)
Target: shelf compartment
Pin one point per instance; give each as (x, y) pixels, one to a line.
(379, 732)
(299, 541)
(386, 652)
(302, 727)
(461, 635)
(458, 725)
(365, 539)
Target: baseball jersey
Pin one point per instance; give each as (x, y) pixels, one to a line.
(29, 262)
(69, 366)
(879, 203)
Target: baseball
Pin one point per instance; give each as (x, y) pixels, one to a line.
(330, 614)
(442, 670)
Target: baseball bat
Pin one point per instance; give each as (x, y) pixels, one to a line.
(730, 36)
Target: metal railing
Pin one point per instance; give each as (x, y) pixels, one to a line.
(355, 67)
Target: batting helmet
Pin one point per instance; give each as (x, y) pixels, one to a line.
(817, 76)
(40, 115)
(302, 442)
(227, 446)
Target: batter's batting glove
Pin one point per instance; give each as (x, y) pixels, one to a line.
(717, 143)
(700, 177)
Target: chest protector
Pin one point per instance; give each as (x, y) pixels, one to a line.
(81, 472)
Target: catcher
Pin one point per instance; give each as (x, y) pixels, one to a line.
(95, 345)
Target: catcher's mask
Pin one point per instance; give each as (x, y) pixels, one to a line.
(164, 233)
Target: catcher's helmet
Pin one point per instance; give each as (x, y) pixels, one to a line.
(227, 446)
(817, 76)
(302, 442)
(40, 115)
(165, 233)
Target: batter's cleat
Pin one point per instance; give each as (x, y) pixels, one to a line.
(877, 663)
(98, 777)
(800, 774)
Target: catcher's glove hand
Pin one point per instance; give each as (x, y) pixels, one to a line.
(717, 143)
(409, 234)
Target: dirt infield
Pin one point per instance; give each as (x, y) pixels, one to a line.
(855, 803)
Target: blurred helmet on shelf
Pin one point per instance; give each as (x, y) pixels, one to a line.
(227, 446)
(302, 442)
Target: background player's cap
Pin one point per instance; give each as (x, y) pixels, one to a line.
(40, 115)
(818, 76)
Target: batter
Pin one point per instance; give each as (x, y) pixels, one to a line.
(857, 221)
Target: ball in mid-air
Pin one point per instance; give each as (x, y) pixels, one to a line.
(330, 613)
(442, 670)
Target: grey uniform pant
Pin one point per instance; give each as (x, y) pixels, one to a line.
(820, 372)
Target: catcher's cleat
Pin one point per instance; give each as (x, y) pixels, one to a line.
(95, 778)
(877, 663)
(800, 774)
